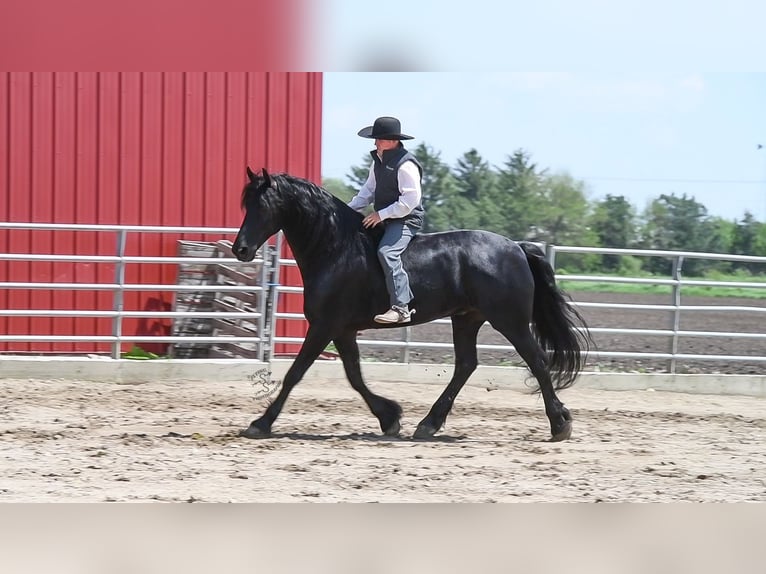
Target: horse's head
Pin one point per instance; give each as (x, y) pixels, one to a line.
(262, 218)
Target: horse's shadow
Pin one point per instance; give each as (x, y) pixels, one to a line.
(363, 437)
(366, 437)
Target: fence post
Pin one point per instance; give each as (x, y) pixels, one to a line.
(406, 338)
(678, 262)
(272, 295)
(266, 272)
(118, 302)
(550, 255)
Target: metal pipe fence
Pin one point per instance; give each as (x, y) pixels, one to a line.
(407, 342)
(120, 287)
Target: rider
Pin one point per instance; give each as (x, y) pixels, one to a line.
(393, 187)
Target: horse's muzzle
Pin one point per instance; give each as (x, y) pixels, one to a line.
(243, 252)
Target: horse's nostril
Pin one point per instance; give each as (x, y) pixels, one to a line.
(243, 252)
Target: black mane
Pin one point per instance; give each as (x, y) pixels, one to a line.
(318, 212)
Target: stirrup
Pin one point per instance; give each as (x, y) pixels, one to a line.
(405, 314)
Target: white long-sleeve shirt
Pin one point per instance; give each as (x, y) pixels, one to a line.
(408, 178)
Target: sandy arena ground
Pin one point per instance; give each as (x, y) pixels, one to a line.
(177, 441)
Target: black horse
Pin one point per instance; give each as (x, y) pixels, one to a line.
(469, 276)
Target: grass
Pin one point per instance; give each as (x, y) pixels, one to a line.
(138, 354)
(331, 348)
(688, 290)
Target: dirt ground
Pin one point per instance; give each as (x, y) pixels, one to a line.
(729, 321)
(177, 441)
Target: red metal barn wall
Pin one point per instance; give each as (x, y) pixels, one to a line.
(137, 148)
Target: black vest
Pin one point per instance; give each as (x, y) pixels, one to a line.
(387, 184)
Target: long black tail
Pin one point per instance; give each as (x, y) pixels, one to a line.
(559, 328)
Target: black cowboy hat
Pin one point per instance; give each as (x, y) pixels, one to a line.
(385, 128)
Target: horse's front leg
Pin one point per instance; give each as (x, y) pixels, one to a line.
(317, 338)
(388, 412)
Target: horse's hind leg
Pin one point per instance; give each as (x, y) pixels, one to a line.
(465, 329)
(315, 342)
(534, 356)
(388, 412)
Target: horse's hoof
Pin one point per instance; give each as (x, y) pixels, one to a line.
(254, 432)
(393, 430)
(564, 434)
(424, 432)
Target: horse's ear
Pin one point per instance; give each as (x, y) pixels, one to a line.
(250, 174)
(266, 177)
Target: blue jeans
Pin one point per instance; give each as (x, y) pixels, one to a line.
(396, 238)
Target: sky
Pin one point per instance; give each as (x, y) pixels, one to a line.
(635, 98)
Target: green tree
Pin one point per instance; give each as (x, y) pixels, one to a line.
(522, 201)
(439, 190)
(721, 240)
(614, 223)
(474, 176)
(564, 210)
(476, 193)
(359, 173)
(339, 189)
(519, 196)
(748, 239)
(759, 246)
(680, 224)
(563, 216)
